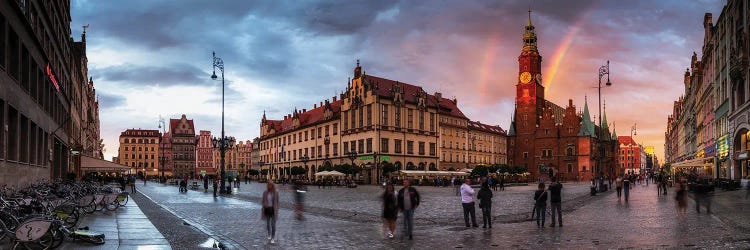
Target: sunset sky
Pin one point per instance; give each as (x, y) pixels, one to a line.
(151, 58)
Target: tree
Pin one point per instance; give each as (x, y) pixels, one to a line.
(297, 171)
(479, 170)
(388, 167)
(254, 172)
(263, 171)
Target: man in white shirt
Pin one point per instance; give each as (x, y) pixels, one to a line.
(467, 201)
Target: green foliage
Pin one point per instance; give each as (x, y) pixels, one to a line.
(263, 171)
(433, 168)
(254, 172)
(388, 167)
(297, 171)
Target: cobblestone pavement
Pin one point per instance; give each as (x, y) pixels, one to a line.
(600, 222)
(439, 205)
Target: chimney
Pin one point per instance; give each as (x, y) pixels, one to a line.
(315, 105)
(439, 96)
(304, 110)
(570, 102)
(321, 104)
(334, 98)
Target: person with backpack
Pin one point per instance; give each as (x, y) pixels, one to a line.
(540, 204)
(485, 203)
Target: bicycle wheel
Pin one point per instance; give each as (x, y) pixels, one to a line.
(8, 223)
(112, 206)
(46, 242)
(58, 237)
(90, 208)
(122, 199)
(96, 240)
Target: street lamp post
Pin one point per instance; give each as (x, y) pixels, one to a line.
(304, 161)
(633, 132)
(163, 128)
(219, 63)
(223, 144)
(352, 156)
(603, 70)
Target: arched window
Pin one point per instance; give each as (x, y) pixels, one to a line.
(569, 151)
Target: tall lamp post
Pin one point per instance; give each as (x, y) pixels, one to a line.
(222, 142)
(163, 128)
(304, 161)
(603, 70)
(632, 133)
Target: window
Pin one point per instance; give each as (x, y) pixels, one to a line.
(327, 152)
(312, 133)
(12, 134)
(305, 135)
(410, 147)
(327, 130)
(312, 152)
(320, 151)
(525, 155)
(335, 128)
(384, 145)
(353, 146)
(346, 120)
(320, 132)
(369, 145)
(369, 115)
(397, 116)
(13, 54)
(361, 146)
(353, 113)
(433, 149)
(397, 146)
(570, 168)
(384, 114)
(294, 138)
(336, 149)
(361, 117)
(421, 148)
(409, 118)
(421, 120)
(546, 152)
(432, 122)
(346, 147)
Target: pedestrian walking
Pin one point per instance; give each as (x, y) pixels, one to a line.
(467, 202)
(205, 184)
(555, 191)
(216, 185)
(540, 204)
(456, 183)
(702, 196)
(390, 210)
(485, 203)
(681, 197)
(626, 188)
(502, 183)
(618, 184)
(270, 210)
(131, 182)
(408, 201)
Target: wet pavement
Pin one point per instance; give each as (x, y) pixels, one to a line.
(125, 228)
(646, 221)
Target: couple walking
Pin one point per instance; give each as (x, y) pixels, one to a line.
(485, 203)
(405, 200)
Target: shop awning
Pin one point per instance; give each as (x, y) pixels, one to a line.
(432, 173)
(89, 164)
(694, 163)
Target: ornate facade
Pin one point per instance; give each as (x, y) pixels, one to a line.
(182, 133)
(204, 156)
(139, 149)
(545, 137)
(377, 120)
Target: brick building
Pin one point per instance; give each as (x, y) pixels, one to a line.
(630, 155)
(545, 137)
(204, 157)
(139, 149)
(184, 141)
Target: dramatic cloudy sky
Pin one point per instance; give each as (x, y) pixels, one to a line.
(151, 58)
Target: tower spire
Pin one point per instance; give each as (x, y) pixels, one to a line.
(529, 37)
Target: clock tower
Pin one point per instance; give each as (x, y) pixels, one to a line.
(529, 89)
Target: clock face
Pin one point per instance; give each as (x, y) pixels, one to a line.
(525, 77)
(539, 78)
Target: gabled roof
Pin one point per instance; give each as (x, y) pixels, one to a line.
(306, 118)
(410, 94)
(476, 125)
(557, 111)
(626, 140)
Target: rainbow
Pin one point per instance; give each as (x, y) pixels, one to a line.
(561, 51)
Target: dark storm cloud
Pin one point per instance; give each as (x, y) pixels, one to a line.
(107, 100)
(138, 75)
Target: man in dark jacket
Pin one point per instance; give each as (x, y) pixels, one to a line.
(556, 201)
(408, 201)
(205, 183)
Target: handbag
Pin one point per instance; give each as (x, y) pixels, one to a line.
(268, 211)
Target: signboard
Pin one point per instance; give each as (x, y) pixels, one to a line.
(52, 77)
(371, 157)
(203, 171)
(723, 146)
